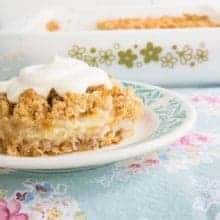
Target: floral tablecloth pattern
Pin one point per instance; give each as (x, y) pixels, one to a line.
(177, 183)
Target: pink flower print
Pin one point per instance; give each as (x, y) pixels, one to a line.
(135, 167)
(193, 139)
(206, 99)
(151, 162)
(143, 164)
(10, 210)
(186, 140)
(203, 138)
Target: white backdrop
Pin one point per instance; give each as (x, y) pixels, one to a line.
(21, 7)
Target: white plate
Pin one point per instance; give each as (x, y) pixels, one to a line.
(167, 118)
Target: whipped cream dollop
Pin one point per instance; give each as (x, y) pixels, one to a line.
(64, 74)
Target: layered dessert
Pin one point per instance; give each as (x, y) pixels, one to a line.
(64, 106)
(183, 21)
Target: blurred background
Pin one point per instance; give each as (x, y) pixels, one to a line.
(34, 6)
(187, 56)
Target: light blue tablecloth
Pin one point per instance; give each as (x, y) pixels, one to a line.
(182, 182)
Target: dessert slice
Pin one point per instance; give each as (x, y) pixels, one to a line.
(62, 107)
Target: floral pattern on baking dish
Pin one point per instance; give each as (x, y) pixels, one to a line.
(137, 56)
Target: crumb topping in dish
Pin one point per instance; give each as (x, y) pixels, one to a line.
(53, 26)
(184, 21)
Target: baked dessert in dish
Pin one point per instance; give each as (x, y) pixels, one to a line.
(183, 21)
(52, 25)
(62, 107)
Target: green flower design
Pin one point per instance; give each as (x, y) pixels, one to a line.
(116, 46)
(136, 56)
(201, 55)
(93, 50)
(80, 216)
(77, 52)
(202, 45)
(106, 56)
(127, 58)
(139, 64)
(92, 61)
(174, 47)
(150, 52)
(168, 60)
(192, 64)
(185, 55)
